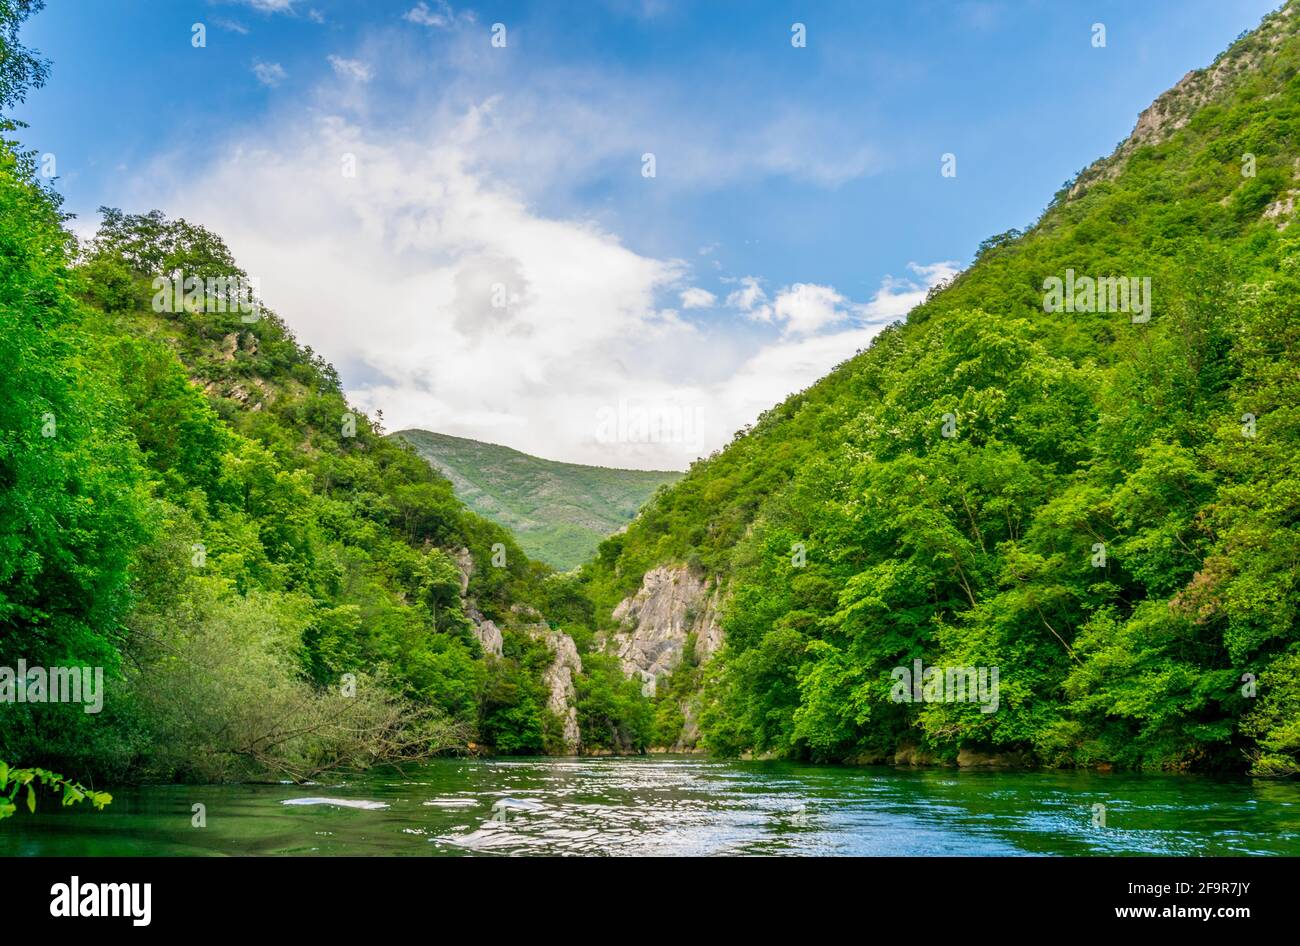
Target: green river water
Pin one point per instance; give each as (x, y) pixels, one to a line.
(673, 805)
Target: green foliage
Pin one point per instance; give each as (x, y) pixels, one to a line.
(192, 505)
(1070, 433)
(513, 702)
(74, 503)
(612, 714)
(21, 69)
(26, 781)
(1275, 723)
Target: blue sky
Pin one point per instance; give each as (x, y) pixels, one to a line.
(797, 203)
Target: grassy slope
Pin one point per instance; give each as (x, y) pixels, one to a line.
(559, 512)
(1171, 203)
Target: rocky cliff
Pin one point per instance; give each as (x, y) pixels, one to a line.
(558, 677)
(672, 604)
(1174, 108)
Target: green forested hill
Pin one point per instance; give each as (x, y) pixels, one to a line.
(269, 586)
(1105, 510)
(559, 512)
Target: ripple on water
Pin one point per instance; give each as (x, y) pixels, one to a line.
(669, 806)
(360, 803)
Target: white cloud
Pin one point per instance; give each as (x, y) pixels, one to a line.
(897, 297)
(801, 309)
(806, 309)
(695, 298)
(418, 250)
(350, 68)
(750, 299)
(783, 147)
(232, 26)
(269, 73)
(440, 16)
(572, 123)
(395, 274)
(788, 365)
(269, 6)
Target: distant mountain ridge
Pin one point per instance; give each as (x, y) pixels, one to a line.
(558, 511)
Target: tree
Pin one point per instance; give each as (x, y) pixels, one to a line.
(16, 780)
(21, 69)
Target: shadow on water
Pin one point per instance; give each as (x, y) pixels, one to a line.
(683, 805)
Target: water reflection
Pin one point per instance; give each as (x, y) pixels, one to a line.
(692, 806)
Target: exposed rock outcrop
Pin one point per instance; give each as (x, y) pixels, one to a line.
(488, 634)
(1176, 106)
(252, 400)
(558, 678)
(672, 604)
(236, 342)
(1282, 209)
(465, 565)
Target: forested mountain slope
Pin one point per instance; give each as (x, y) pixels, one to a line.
(1101, 501)
(559, 512)
(270, 586)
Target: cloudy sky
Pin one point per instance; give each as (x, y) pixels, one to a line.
(628, 227)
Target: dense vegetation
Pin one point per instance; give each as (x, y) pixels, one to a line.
(271, 586)
(195, 508)
(1108, 511)
(559, 512)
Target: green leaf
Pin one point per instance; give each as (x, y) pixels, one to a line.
(31, 798)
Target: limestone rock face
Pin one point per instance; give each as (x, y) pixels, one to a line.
(558, 678)
(671, 604)
(465, 565)
(489, 636)
(1176, 106)
(526, 611)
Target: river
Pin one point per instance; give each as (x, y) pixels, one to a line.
(680, 805)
